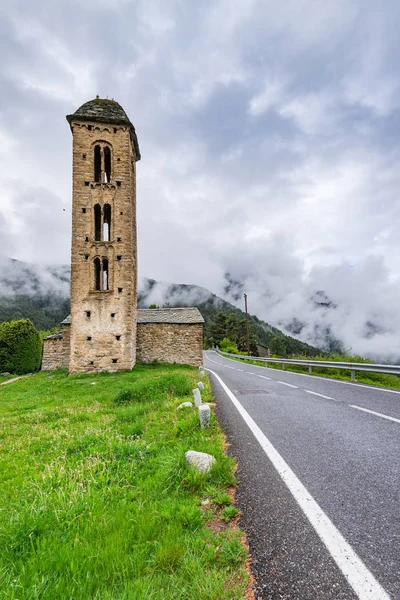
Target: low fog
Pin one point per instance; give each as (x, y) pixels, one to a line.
(336, 307)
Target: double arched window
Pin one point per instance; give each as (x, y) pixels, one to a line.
(102, 223)
(102, 164)
(101, 274)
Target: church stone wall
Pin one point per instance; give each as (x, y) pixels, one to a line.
(170, 343)
(56, 350)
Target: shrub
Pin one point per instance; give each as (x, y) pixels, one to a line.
(227, 345)
(20, 347)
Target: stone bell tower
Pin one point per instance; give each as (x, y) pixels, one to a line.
(104, 246)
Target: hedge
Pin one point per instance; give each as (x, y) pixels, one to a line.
(20, 347)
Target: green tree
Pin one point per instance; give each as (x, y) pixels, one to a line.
(20, 347)
(217, 329)
(278, 347)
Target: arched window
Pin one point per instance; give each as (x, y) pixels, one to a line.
(105, 274)
(97, 222)
(97, 274)
(107, 223)
(97, 163)
(107, 164)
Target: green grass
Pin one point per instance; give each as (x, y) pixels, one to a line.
(376, 379)
(97, 499)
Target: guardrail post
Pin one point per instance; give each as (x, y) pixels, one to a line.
(353, 375)
(310, 370)
(283, 366)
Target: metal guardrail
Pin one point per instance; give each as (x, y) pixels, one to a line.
(353, 367)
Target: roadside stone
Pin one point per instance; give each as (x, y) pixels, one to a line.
(200, 385)
(202, 373)
(197, 397)
(5, 374)
(200, 460)
(185, 405)
(204, 414)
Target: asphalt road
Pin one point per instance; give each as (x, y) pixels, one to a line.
(318, 434)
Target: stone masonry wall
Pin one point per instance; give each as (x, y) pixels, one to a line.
(56, 351)
(103, 330)
(171, 343)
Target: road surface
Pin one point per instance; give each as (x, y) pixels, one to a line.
(319, 480)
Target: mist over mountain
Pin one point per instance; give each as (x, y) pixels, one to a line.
(41, 293)
(320, 318)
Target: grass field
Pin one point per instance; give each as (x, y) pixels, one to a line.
(96, 499)
(377, 379)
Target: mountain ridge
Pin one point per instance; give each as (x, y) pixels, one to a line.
(41, 294)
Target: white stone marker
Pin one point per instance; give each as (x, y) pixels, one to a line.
(204, 415)
(202, 373)
(200, 460)
(197, 397)
(185, 405)
(200, 385)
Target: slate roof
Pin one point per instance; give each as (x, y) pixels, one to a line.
(54, 336)
(169, 315)
(103, 110)
(162, 315)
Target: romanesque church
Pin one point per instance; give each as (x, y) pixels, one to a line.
(106, 331)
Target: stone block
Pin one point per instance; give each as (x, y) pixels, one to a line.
(200, 385)
(185, 405)
(201, 461)
(204, 415)
(197, 397)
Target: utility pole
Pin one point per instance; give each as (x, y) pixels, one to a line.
(247, 324)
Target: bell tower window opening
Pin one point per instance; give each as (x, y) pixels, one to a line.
(97, 222)
(107, 164)
(97, 274)
(97, 163)
(107, 223)
(105, 274)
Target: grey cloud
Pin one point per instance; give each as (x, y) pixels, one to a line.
(269, 144)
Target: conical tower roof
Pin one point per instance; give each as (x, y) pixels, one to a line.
(103, 110)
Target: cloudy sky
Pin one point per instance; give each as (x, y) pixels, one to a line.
(269, 134)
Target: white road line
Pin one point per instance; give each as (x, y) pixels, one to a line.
(248, 373)
(356, 385)
(241, 370)
(372, 412)
(359, 577)
(320, 395)
(263, 377)
(288, 384)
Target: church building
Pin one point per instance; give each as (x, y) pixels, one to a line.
(106, 331)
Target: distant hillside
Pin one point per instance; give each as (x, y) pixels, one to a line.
(42, 295)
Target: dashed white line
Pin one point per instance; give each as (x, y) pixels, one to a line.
(264, 377)
(356, 385)
(359, 577)
(320, 395)
(288, 384)
(248, 373)
(372, 412)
